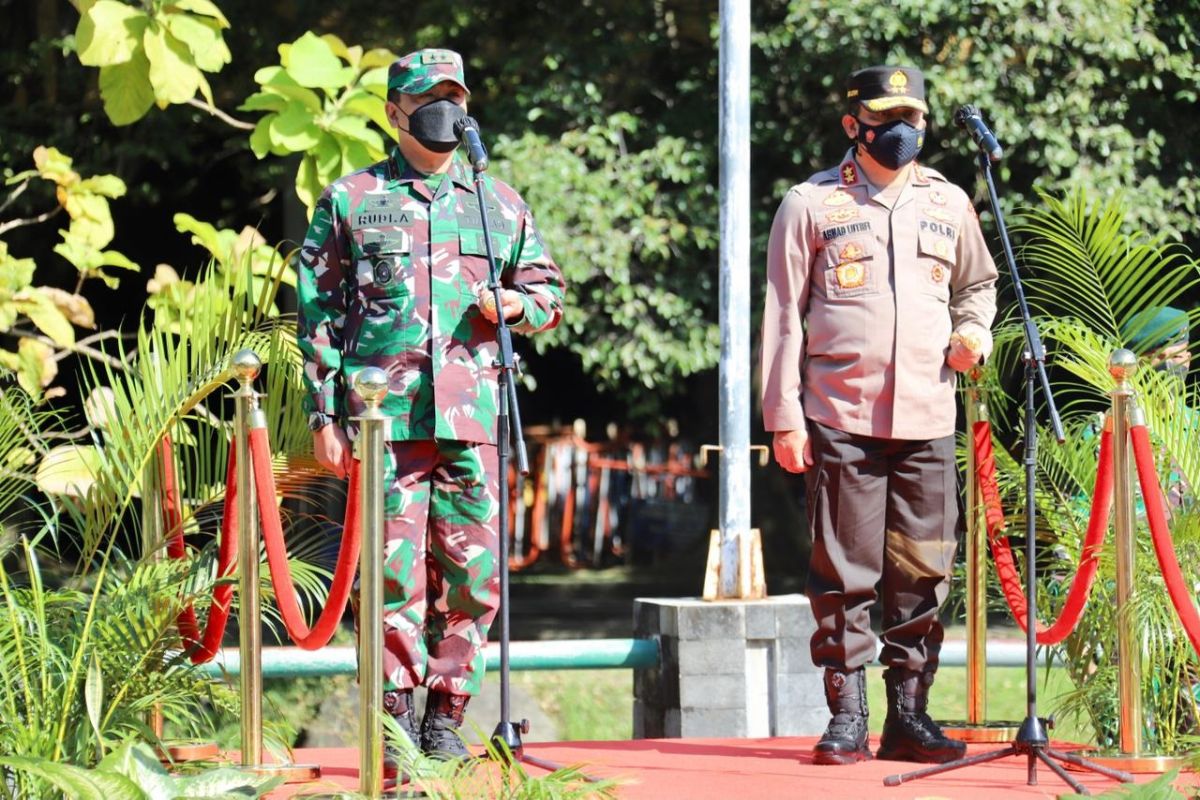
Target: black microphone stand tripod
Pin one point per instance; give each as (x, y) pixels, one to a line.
(1032, 739)
(506, 738)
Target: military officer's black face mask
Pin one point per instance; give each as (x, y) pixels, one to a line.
(433, 125)
(893, 144)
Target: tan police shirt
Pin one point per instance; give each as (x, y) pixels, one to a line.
(863, 294)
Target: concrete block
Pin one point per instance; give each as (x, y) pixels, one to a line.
(708, 722)
(793, 617)
(712, 657)
(702, 620)
(668, 619)
(672, 723)
(800, 705)
(645, 619)
(712, 691)
(793, 656)
(760, 620)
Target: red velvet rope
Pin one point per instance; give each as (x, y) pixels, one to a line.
(1006, 568)
(201, 648)
(281, 574)
(1164, 548)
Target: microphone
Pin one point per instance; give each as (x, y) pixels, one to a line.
(969, 118)
(467, 130)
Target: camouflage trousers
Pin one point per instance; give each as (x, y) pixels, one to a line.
(440, 579)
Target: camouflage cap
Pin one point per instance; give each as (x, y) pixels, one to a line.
(420, 71)
(883, 87)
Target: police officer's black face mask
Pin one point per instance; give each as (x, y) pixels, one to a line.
(893, 144)
(433, 125)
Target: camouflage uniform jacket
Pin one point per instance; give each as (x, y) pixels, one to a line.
(389, 277)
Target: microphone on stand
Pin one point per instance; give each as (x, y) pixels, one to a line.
(969, 118)
(467, 130)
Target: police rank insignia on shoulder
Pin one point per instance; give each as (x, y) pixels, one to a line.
(383, 272)
(849, 174)
(852, 275)
(838, 198)
(841, 215)
(937, 197)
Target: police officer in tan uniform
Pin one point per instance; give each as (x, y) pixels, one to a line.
(880, 288)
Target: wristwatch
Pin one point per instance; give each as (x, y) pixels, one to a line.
(317, 420)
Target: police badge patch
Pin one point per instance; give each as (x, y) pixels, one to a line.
(839, 198)
(851, 276)
(383, 272)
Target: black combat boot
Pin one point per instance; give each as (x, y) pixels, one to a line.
(440, 726)
(399, 703)
(908, 732)
(845, 738)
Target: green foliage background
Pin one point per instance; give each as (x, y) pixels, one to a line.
(604, 115)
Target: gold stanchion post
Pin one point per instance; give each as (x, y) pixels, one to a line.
(976, 728)
(246, 365)
(372, 386)
(1125, 413)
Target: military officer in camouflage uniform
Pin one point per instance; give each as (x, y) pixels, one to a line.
(880, 288)
(394, 275)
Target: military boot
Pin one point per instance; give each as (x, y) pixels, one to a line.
(399, 703)
(440, 726)
(908, 732)
(845, 738)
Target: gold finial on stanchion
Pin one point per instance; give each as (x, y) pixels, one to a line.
(976, 728)
(246, 366)
(371, 384)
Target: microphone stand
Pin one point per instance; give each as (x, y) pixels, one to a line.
(1032, 739)
(506, 738)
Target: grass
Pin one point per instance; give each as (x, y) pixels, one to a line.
(597, 705)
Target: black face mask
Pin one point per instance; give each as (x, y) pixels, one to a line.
(893, 144)
(433, 125)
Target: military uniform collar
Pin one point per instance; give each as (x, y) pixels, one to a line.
(400, 170)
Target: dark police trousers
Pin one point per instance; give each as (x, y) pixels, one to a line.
(883, 512)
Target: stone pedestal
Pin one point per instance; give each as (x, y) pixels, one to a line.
(729, 668)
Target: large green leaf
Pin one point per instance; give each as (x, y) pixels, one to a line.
(294, 130)
(69, 469)
(126, 89)
(173, 74)
(109, 33)
(15, 273)
(46, 316)
(204, 7)
(277, 81)
(311, 62)
(76, 782)
(203, 38)
(137, 762)
(107, 185)
(264, 101)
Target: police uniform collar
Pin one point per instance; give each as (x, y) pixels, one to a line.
(919, 176)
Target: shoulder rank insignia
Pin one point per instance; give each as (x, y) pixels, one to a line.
(849, 174)
(841, 215)
(852, 275)
(839, 198)
(853, 251)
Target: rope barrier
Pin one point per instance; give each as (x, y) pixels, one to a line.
(201, 648)
(281, 575)
(1006, 568)
(1164, 547)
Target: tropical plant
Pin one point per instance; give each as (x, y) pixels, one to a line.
(1089, 282)
(133, 772)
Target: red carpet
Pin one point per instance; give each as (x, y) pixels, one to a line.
(749, 769)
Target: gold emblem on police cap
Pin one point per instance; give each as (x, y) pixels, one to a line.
(852, 275)
(898, 82)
